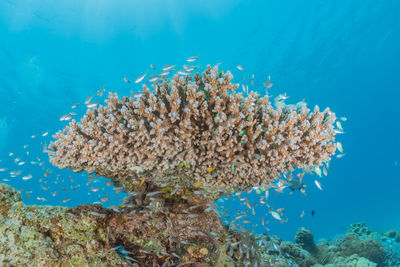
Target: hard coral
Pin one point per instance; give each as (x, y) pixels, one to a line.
(192, 130)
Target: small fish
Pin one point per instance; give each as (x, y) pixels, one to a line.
(276, 215)
(190, 68)
(318, 171)
(339, 125)
(312, 212)
(339, 147)
(101, 91)
(46, 133)
(10, 154)
(343, 118)
(302, 214)
(151, 194)
(154, 78)
(266, 194)
(268, 84)
(27, 177)
(281, 97)
(87, 101)
(152, 66)
(75, 105)
(325, 171)
(198, 184)
(192, 59)
(126, 80)
(338, 131)
(340, 155)
(3, 169)
(168, 67)
(105, 199)
(138, 95)
(318, 185)
(184, 72)
(141, 77)
(240, 67)
(210, 169)
(66, 200)
(95, 213)
(142, 182)
(248, 205)
(92, 105)
(94, 189)
(41, 199)
(67, 117)
(174, 191)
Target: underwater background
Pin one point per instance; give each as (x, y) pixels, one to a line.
(339, 54)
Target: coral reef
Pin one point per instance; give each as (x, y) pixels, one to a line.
(90, 235)
(305, 239)
(192, 131)
(359, 247)
(164, 231)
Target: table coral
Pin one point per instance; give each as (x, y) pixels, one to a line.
(195, 130)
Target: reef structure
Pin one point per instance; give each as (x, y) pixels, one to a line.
(193, 131)
(90, 235)
(176, 149)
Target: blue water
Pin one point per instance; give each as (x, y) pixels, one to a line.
(335, 53)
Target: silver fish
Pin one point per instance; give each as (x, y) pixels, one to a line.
(141, 77)
(137, 94)
(92, 104)
(27, 177)
(240, 67)
(165, 73)
(192, 59)
(154, 78)
(318, 185)
(184, 72)
(87, 101)
(190, 68)
(168, 67)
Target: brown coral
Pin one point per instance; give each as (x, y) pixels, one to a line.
(192, 130)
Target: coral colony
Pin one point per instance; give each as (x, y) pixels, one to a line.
(174, 150)
(192, 131)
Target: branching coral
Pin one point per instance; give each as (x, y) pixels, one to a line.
(195, 130)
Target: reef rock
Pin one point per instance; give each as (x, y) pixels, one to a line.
(90, 235)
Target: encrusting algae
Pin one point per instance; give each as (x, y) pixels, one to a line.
(191, 130)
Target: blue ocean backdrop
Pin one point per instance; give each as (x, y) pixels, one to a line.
(336, 53)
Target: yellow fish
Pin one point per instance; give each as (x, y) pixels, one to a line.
(142, 182)
(210, 169)
(198, 184)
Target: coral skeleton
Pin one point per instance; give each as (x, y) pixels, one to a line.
(196, 129)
